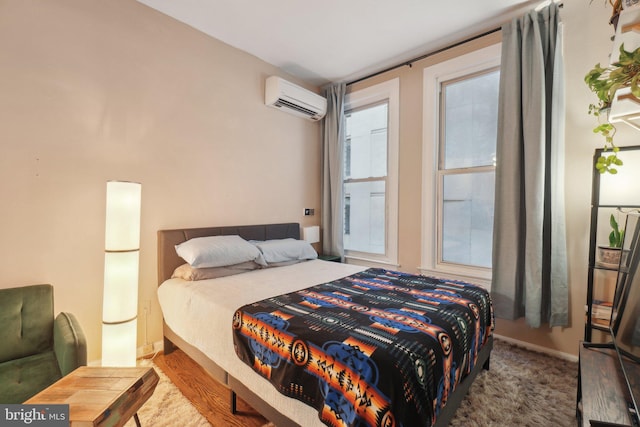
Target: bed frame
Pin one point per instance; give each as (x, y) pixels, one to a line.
(168, 261)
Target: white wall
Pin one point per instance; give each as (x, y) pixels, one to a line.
(95, 90)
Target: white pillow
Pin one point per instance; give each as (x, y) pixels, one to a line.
(218, 251)
(186, 272)
(282, 250)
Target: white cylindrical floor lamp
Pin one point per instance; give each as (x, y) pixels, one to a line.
(121, 261)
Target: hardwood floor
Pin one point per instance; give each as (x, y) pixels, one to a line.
(206, 394)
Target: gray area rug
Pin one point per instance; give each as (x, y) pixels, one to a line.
(521, 388)
(167, 406)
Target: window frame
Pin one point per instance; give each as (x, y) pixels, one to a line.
(469, 64)
(388, 91)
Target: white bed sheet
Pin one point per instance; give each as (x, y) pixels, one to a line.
(201, 313)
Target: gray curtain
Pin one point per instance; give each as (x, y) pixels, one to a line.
(332, 166)
(529, 245)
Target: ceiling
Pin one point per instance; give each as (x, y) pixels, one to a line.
(340, 40)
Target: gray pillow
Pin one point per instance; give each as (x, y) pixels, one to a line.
(186, 272)
(283, 250)
(218, 251)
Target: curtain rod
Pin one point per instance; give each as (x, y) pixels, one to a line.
(435, 52)
(426, 55)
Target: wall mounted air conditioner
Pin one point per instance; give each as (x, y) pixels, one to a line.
(294, 99)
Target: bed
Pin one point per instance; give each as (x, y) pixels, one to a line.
(197, 317)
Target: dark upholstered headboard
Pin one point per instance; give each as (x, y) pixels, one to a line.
(168, 260)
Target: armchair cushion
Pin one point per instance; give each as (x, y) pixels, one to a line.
(26, 319)
(36, 350)
(22, 378)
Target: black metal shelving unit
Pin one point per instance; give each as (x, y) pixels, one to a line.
(596, 213)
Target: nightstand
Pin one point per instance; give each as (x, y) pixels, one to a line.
(333, 258)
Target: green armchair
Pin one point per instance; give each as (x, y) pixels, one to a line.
(36, 349)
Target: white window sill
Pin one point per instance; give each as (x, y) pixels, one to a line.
(368, 262)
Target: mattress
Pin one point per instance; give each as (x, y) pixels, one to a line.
(201, 312)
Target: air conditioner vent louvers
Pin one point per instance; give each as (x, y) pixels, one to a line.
(284, 103)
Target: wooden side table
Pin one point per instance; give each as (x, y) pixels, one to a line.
(100, 396)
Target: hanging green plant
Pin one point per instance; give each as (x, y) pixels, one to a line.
(604, 82)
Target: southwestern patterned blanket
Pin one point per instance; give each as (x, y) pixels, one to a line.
(377, 348)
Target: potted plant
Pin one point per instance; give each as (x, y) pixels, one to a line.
(610, 255)
(604, 82)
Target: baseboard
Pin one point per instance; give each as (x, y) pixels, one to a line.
(149, 349)
(539, 348)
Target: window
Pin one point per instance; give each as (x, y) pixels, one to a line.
(461, 110)
(466, 168)
(365, 176)
(370, 173)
